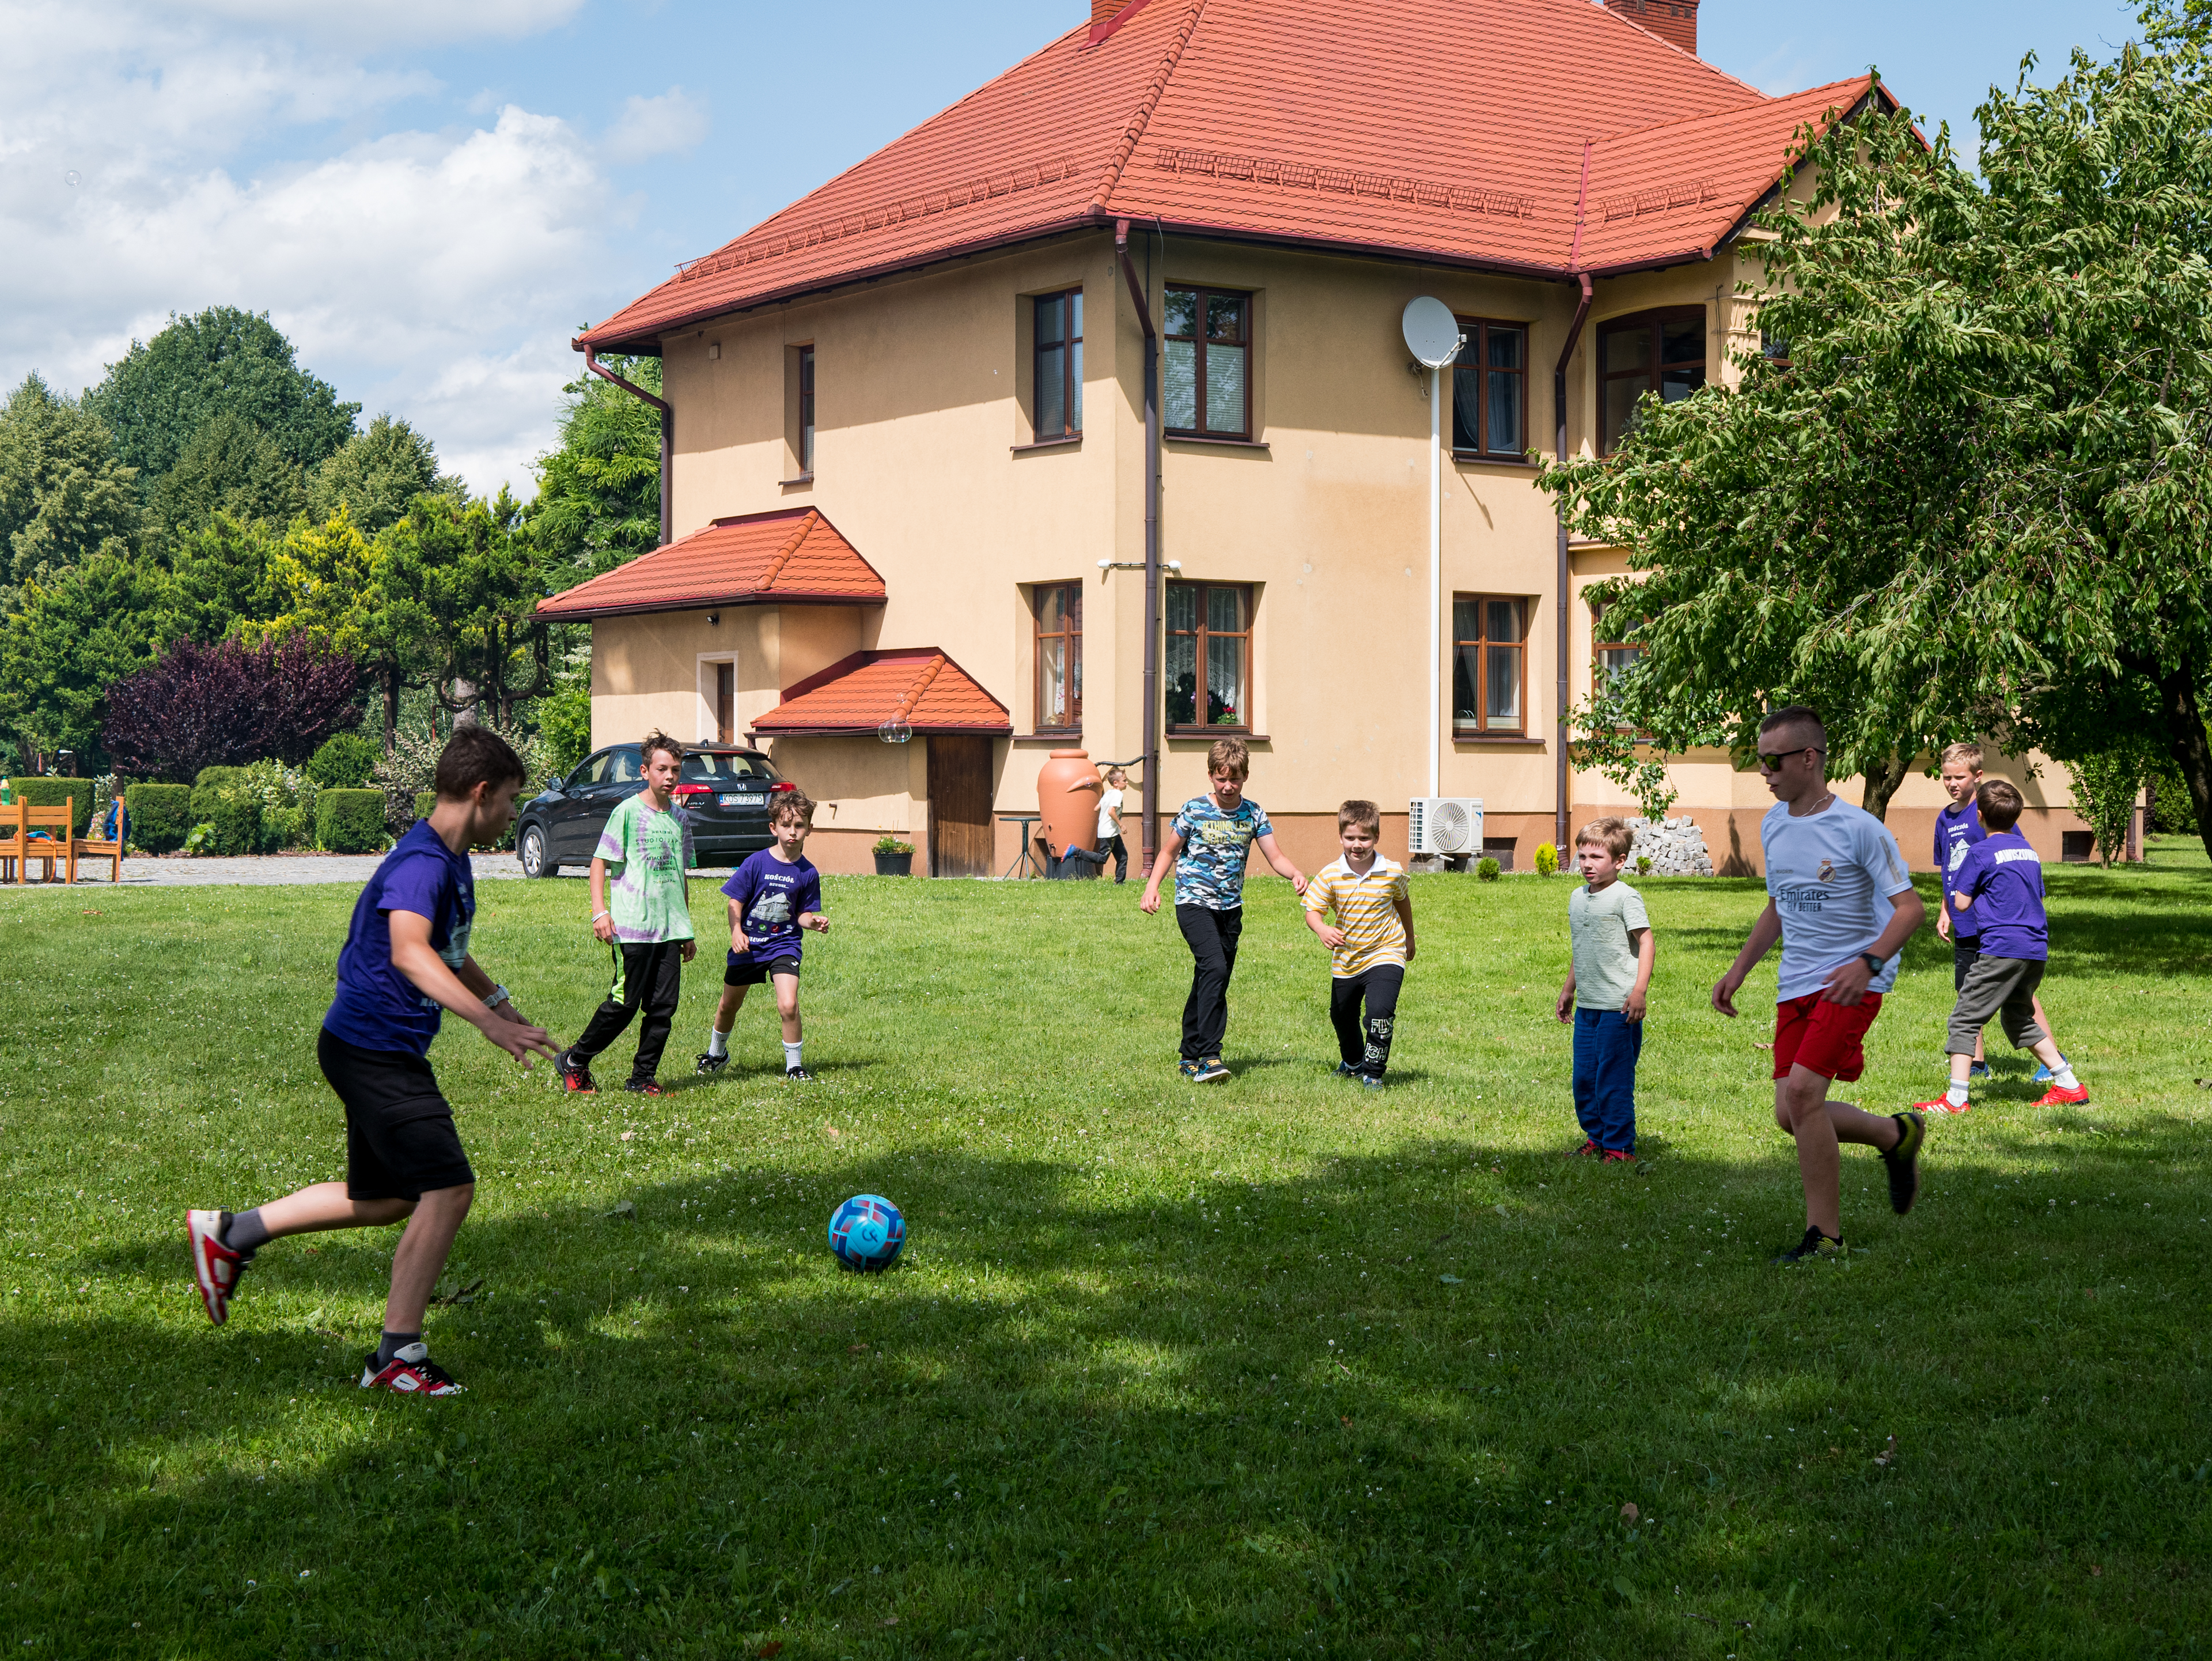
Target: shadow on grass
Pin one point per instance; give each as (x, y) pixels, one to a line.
(1397, 1395)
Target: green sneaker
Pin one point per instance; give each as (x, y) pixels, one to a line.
(1815, 1247)
(1904, 1161)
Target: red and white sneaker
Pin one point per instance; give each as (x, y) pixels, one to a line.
(1942, 1105)
(1588, 1149)
(2060, 1096)
(215, 1267)
(409, 1373)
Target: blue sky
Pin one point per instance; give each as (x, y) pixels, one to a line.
(429, 195)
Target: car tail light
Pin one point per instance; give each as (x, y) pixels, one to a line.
(691, 790)
(783, 784)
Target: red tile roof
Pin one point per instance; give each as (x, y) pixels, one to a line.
(920, 686)
(794, 555)
(1439, 129)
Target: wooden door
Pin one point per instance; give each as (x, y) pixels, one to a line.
(959, 806)
(726, 703)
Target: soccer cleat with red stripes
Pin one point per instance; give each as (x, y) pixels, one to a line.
(215, 1267)
(2060, 1096)
(411, 1372)
(1941, 1104)
(575, 1076)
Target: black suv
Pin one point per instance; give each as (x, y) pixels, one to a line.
(723, 790)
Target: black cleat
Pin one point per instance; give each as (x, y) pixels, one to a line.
(712, 1063)
(1815, 1247)
(797, 1075)
(1904, 1161)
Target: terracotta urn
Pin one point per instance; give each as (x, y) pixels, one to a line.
(1068, 789)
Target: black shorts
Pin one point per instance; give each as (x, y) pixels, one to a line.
(400, 1140)
(750, 971)
(1964, 956)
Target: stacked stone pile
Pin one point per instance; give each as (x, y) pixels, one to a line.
(1676, 848)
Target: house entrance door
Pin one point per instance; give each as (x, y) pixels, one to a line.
(959, 806)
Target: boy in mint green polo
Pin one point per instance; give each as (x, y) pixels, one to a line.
(645, 916)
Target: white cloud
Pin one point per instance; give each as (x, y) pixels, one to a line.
(667, 126)
(437, 275)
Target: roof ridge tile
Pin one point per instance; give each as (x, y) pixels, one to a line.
(1134, 129)
(782, 558)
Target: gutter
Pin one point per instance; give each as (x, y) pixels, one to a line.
(1152, 722)
(1561, 778)
(667, 425)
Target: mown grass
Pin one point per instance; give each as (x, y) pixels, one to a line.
(1270, 1368)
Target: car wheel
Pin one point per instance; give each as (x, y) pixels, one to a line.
(532, 851)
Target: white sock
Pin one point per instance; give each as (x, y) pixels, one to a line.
(718, 1042)
(2064, 1077)
(1956, 1095)
(791, 1055)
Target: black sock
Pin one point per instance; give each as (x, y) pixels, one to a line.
(392, 1343)
(246, 1233)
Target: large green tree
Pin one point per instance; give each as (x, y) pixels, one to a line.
(63, 496)
(469, 570)
(222, 360)
(1976, 496)
(598, 493)
(374, 475)
(230, 468)
(77, 634)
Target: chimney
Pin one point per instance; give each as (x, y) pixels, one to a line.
(1102, 11)
(1675, 22)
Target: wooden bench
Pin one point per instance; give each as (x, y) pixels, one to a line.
(28, 833)
(102, 848)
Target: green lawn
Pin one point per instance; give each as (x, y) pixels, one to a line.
(1269, 1368)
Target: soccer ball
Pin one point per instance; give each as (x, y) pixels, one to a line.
(866, 1233)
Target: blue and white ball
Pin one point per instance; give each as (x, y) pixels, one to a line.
(866, 1233)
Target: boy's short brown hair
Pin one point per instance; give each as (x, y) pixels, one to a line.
(1229, 755)
(1969, 753)
(793, 803)
(1999, 802)
(1797, 715)
(1609, 833)
(475, 755)
(656, 739)
(1364, 814)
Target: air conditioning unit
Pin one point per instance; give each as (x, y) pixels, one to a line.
(1445, 825)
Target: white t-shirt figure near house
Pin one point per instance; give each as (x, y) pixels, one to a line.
(1110, 814)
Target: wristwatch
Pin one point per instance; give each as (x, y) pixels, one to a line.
(1875, 965)
(499, 995)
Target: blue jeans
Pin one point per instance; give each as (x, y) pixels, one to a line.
(1607, 1044)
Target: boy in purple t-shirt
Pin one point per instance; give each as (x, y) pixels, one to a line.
(2001, 879)
(405, 958)
(1958, 828)
(773, 895)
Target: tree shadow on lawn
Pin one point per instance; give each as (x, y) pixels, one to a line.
(1398, 1395)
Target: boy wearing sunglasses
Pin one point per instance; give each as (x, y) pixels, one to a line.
(1839, 900)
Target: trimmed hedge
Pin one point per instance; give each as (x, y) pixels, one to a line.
(343, 762)
(160, 816)
(237, 821)
(349, 821)
(425, 800)
(52, 793)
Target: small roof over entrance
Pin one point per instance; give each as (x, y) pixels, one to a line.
(794, 555)
(919, 686)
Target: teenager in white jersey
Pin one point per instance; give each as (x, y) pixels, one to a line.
(1839, 900)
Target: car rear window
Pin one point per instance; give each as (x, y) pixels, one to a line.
(710, 766)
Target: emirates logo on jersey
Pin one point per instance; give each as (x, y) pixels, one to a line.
(1827, 871)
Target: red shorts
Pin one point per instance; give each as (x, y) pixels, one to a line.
(1822, 1037)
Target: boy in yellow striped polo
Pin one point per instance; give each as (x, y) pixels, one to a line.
(1369, 944)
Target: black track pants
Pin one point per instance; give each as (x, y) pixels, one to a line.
(648, 973)
(1212, 936)
(1365, 1045)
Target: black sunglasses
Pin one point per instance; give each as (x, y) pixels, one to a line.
(1773, 763)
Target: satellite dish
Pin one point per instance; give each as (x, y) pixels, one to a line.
(1431, 331)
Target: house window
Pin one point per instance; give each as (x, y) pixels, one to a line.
(1059, 365)
(1209, 646)
(1209, 376)
(1490, 634)
(1661, 352)
(1613, 659)
(1490, 390)
(806, 410)
(1058, 656)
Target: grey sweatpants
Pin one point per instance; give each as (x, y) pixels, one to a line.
(2005, 988)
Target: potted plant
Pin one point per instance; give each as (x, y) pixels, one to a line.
(894, 858)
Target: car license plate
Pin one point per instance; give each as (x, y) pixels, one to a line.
(744, 798)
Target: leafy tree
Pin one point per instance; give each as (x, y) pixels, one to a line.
(221, 361)
(466, 568)
(329, 583)
(227, 704)
(221, 578)
(374, 475)
(598, 494)
(2104, 790)
(84, 629)
(1976, 498)
(64, 497)
(230, 468)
